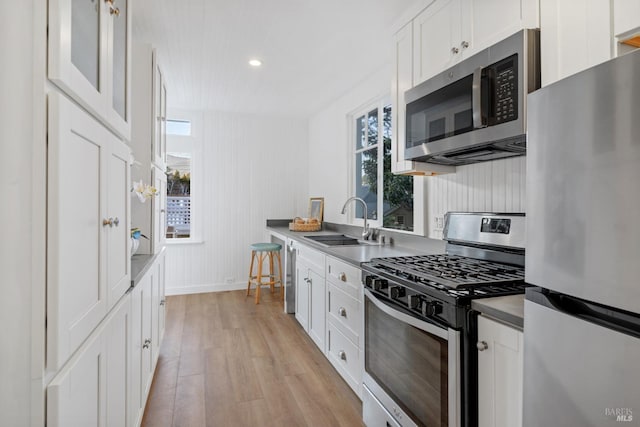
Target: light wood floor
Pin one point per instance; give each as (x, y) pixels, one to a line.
(228, 362)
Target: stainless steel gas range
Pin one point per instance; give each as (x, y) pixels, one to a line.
(420, 332)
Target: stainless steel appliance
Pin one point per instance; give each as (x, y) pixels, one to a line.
(420, 336)
(290, 277)
(476, 110)
(582, 327)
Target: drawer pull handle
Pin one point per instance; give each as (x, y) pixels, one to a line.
(342, 312)
(342, 355)
(482, 345)
(343, 277)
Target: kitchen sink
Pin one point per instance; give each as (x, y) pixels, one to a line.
(336, 240)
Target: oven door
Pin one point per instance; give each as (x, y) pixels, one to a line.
(412, 369)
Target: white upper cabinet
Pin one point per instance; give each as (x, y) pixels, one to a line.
(437, 38)
(574, 36)
(88, 266)
(626, 17)
(448, 31)
(89, 56)
(159, 140)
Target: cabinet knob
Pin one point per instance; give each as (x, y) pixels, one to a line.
(115, 11)
(147, 343)
(455, 50)
(343, 277)
(482, 345)
(342, 312)
(116, 221)
(163, 302)
(161, 210)
(342, 355)
(108, 222)
(464, 44)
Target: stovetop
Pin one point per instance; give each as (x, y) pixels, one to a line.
(449, 271)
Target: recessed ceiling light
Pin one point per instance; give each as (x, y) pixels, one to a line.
(255, 62)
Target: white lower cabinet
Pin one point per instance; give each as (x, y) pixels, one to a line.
(311, 293)
(92, 388)
(500, 374)
(147, 331)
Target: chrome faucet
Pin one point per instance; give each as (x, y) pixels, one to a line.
(365, 231)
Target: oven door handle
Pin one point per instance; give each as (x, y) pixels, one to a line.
(476, 99)
(420, 324)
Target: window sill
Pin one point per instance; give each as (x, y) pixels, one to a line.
(179, 242)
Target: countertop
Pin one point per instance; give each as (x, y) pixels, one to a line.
(362, 253)
(509, 309)
(140, 264)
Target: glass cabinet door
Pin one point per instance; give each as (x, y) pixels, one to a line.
(85, 39)
(119, 14)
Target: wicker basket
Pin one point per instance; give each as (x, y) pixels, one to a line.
(296, 226)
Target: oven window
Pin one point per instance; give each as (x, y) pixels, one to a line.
(443, 113)
(409, 364)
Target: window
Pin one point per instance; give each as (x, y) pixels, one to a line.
(389, 198)
(179, 167)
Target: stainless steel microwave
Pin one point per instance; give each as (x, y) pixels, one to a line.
(476, 110)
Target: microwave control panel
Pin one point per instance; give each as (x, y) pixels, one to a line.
(505, 86)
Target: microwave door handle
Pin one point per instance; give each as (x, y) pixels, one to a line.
(476, 98)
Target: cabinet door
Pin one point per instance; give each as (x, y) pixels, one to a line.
(574, 36)
(136, 389)
(119, 74)
(436, 39)
(118, 350)
(626, 17)
(486, 22)
(77, 395)
(159, 110)
(159, 209)
(77, 50)
(302, 294)
(317, 309)
(147, 335)
(118, 235)
(500, 364)
(76, 244)
(161, 269)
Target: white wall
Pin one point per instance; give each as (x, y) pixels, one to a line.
(331, 146)
(253, 168)
(17, 142)
(497, 186)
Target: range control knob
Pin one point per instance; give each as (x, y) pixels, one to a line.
(368, 281)
(414, 302)
(396, 292)
(431, 308)
(380, 284)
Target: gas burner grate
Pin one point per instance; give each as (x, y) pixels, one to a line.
(450, 271)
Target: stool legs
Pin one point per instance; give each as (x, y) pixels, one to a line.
(253, 257)
(257, 278)
(280, 274)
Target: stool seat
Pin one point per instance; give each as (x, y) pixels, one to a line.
(266, 247)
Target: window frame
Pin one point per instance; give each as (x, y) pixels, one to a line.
(196, 223)
(419, 183)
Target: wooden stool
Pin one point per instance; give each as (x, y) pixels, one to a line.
(261, 251)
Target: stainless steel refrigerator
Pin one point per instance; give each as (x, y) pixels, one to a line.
(582, 326)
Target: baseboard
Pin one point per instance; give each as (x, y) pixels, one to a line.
(201, 289)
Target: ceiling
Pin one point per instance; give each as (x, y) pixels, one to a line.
(312, 51)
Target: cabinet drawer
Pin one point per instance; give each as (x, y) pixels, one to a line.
(344, 356)
(313, 258)
(344, 311)
(344, 276)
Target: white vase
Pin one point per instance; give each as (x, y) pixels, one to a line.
(135, 244)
